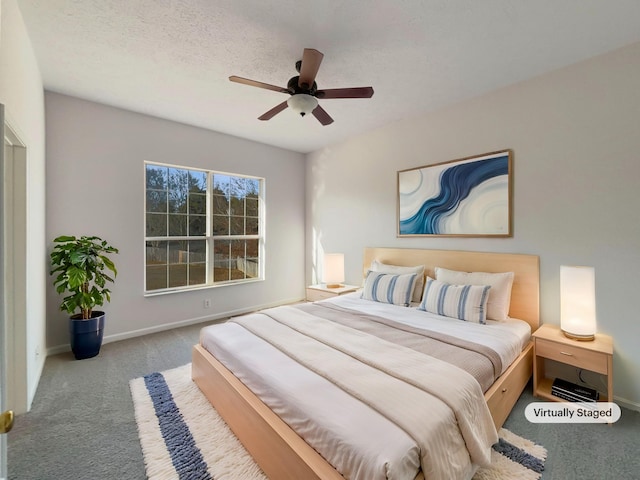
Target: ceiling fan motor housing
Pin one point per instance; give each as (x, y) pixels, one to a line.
(294, 88)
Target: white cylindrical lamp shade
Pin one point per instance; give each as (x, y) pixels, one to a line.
(578, 302)
(333, 269)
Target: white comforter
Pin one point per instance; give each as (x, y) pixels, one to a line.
(353, 436)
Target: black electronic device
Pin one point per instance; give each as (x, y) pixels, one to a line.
(573, 392)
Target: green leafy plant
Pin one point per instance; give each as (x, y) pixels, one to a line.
(82, 269)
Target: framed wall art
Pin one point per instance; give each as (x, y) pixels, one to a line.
(466, 197)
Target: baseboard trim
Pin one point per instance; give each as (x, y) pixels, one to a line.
(170, 326)
(623, 402)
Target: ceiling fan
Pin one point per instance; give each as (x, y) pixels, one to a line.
(304, 90)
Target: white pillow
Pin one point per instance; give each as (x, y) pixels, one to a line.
(465, 302)
(388, 288)
(377, 266)
(499, 295)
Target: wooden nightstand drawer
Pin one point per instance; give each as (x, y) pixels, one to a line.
(576, 356)
(314, 295)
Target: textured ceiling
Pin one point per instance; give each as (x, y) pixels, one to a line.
(172, 58)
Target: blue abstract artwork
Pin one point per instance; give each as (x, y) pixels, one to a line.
(470, 196)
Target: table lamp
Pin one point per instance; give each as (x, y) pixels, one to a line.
(334, 269)
(578, 302)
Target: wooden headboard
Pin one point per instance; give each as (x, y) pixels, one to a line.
(525, 293)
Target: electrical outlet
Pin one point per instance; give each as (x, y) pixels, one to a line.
(207, 303)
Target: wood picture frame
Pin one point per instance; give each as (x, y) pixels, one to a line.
(467, 197)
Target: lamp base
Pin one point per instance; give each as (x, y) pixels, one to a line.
(581, 338)
(334, 285)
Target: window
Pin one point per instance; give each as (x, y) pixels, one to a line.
(203, 228)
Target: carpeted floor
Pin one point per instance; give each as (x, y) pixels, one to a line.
(183, 436)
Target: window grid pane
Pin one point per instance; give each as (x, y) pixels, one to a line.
(197, 262)
(197, 225)
(221, 261)
(156, 261)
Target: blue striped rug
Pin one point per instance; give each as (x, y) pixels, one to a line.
(182, 437)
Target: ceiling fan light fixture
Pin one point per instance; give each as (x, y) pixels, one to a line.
(302, 103)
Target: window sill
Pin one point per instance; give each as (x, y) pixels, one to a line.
(171, 291)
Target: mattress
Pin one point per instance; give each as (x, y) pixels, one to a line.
(355, 438)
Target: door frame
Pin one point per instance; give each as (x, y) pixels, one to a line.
(13, 278)
(3, 341)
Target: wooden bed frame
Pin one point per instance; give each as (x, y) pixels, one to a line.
(281, 453)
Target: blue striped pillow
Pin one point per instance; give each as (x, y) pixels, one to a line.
(466, 302)
(389, 288)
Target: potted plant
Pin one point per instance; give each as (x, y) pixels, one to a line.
(82, 268)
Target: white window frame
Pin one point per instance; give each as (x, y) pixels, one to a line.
(209, 237)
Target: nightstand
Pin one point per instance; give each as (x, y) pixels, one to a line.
(321, 291)
(550, 343)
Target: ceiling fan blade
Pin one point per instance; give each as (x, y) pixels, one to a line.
(355, 92)
(253, 83)
(274, 111)
(311, 60)
(322, 116)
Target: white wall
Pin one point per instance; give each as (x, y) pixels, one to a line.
(95, 185)
(574, 134)
(22, 94)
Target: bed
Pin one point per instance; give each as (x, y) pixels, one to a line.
(283, 453)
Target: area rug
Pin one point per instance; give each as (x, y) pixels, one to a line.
(183, 437)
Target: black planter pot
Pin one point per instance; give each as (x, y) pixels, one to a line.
(86, 335)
